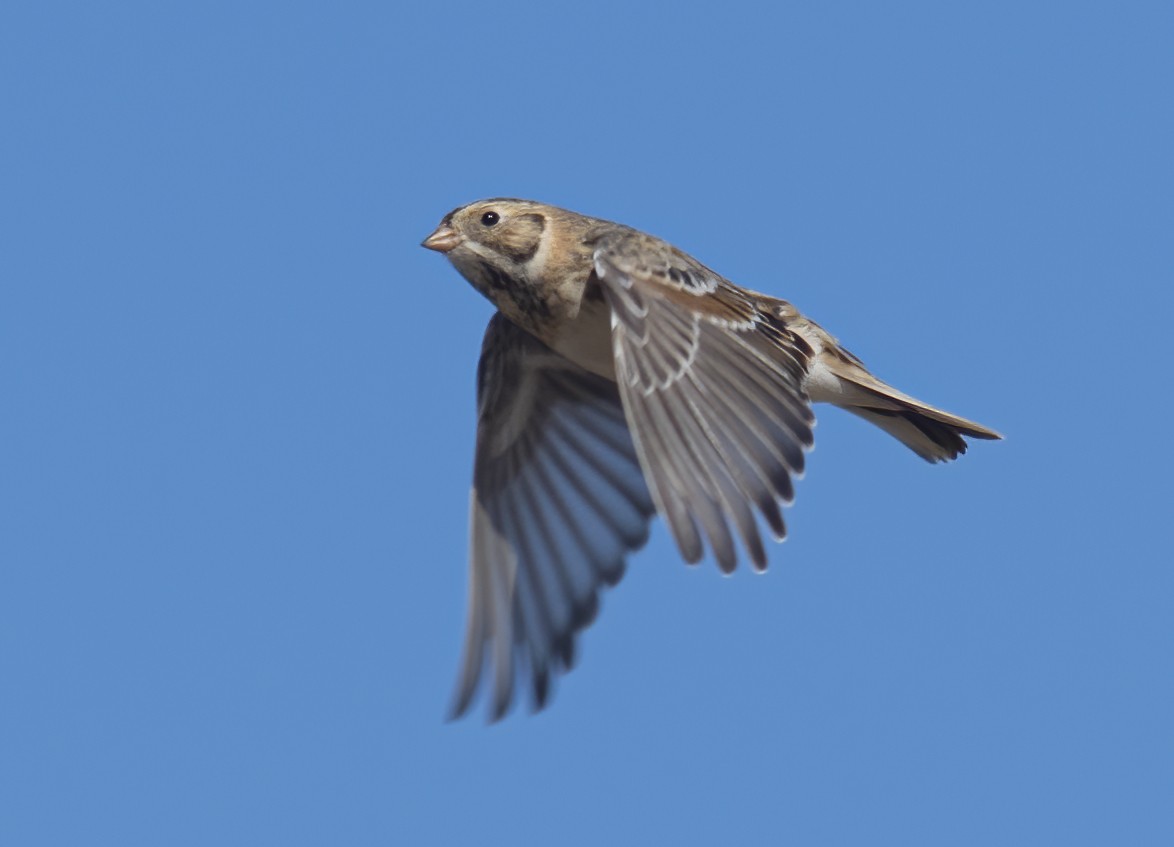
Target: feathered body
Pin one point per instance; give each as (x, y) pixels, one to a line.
(622, 378)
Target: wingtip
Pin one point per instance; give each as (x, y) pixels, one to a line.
(456, 710)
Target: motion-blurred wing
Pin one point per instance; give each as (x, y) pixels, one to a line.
(558, 500)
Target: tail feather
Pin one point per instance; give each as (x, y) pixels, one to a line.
(839, 378)
(932, 440)
(932, 434)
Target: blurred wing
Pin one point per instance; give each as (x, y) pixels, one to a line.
(713, 388)
(558, 500)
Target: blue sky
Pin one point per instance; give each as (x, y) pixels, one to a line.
(237, 427)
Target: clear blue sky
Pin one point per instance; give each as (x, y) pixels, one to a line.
(237, 423)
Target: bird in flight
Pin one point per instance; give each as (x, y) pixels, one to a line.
(620, 379)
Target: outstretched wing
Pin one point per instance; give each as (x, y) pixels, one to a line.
(558, 500)
(713, 389)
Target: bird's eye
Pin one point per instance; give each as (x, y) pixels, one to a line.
(490, 218)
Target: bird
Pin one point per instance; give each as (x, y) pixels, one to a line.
(621, 379)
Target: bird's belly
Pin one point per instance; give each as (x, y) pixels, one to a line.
(824, 386)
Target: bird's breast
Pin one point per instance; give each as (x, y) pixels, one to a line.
(585, 339)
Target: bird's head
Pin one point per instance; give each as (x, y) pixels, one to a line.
(529, 259)
(493, 243)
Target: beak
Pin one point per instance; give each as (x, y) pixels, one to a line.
(444, 239)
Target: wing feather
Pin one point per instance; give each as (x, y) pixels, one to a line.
(558, 501)
(713, 386)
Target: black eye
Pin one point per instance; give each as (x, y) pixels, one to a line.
(490, 218)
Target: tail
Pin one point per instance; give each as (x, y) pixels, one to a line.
(932, 434)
